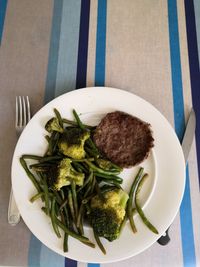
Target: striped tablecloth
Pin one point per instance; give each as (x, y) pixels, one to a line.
(148, 47)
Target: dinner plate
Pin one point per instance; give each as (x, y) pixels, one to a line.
(160, 197)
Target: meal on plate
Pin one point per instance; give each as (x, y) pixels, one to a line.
(77, 179)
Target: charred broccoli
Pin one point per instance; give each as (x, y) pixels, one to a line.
(72, 142)
(53, 125)
(62, 174)
(107, 213)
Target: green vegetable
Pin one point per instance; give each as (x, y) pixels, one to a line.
(62, 174)
(130, 201)
(139, 209)
(30, 175)
(72, 142)
(53, 125)
(107, 213)
(107, 165)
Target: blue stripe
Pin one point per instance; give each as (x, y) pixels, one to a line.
(101, 43)
(68, 50)
(53, 51)
(187, 237)
(70, 263)
(48, 258)
(34, 252)
(194, 69)
(3, 5)
(100, 56)
(83, 44)
(188, 250)
(197, 20)
(35, 246)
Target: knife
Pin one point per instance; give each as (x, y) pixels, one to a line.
(186, 146)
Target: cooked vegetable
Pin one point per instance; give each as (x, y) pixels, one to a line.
(130, 201)
(77, 184)
(139, 209)
(62, 174)
(53, 125)
(107, 213)
(72, 142)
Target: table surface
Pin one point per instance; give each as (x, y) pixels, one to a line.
(149, 48)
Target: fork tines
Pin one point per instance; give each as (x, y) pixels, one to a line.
(23, 114)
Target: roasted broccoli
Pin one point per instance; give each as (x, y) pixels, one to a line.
(107, 213)
(53, 125)
(62, 174)
(72, 142)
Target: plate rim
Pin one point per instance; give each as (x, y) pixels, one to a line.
(97, 89)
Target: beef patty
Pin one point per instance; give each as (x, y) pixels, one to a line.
(123, 139)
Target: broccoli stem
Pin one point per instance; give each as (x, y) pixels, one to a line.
(130, 201)
(139, 209)
(30, 175)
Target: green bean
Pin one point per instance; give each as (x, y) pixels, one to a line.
(99, 243)
(28, 156)
(65, 242)
(51, 144)
(58, 116)
(111, 177)
(64, 203)
(37, 196)
(111, 182)
(99, 170)
(91, 152)
(139, 209)
(30, 175)
(80, 213)
(47, 137)
(130, 200)
(53, 218)
(46, 193)
(50, 158)
(74, 198)
(79, 122)
(71, 233)
(44, 210)
(74, 123)
(71, 206)
(89, 178)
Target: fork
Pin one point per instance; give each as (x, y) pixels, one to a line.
(23, 115)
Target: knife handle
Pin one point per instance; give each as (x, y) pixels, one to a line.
(13, 212)
(164, 239)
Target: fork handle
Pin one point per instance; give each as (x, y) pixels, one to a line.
(13, 212)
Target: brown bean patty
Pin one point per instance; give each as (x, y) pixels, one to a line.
(123, 139)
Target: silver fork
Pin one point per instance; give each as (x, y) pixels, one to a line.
(23, 115)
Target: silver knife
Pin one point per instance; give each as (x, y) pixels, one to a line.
(186, 147)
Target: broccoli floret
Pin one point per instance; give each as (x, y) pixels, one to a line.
(62, 174)
(53, 125)
(72, 142)
(107, 213)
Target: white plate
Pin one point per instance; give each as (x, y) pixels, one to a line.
(161, 196)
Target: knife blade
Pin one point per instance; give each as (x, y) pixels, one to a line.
(186, 147)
